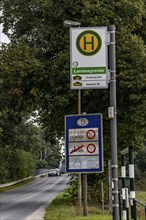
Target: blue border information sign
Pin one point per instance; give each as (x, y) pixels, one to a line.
(84, 143)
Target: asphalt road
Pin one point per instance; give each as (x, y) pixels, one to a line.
(21, 203)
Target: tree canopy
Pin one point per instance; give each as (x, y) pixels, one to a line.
(35, 65)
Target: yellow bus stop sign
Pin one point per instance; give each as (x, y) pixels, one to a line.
(88, 43)
(89, 57)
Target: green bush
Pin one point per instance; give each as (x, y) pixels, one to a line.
(42, 164)
(72, 192)
(23, 164)
(94, 190)
(5, 158)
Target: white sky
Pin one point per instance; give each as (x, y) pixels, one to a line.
(3, 37)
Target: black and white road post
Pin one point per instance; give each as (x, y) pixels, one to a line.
(132, 183)
(113, 124)
(129, 151)
(124, 197)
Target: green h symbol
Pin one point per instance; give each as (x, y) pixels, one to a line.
(89, 42)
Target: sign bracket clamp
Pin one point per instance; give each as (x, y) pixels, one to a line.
(108, 37)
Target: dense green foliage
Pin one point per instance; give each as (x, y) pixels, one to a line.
(21, 148)
(35, 65)
(140, 169)
(17, 148)
(41, 44)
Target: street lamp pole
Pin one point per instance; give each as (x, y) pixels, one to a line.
(113, 124)
(68, 23)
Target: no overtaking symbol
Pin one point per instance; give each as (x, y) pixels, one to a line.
(91, 148)
(90, 134)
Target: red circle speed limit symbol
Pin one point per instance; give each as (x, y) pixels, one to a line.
(90, 134)
(91, 148)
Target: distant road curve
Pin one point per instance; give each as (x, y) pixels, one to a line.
(31, 200)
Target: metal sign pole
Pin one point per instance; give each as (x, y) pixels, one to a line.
(85, 208)
(102, 190)
(79, 175)
(110, 186)
(85, 205)
(113, 123)
(78, 72)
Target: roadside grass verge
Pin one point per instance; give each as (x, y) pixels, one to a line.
(8, 188)
(62, 209)
(141, 196)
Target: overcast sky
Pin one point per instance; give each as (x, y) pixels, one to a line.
(3, 37)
